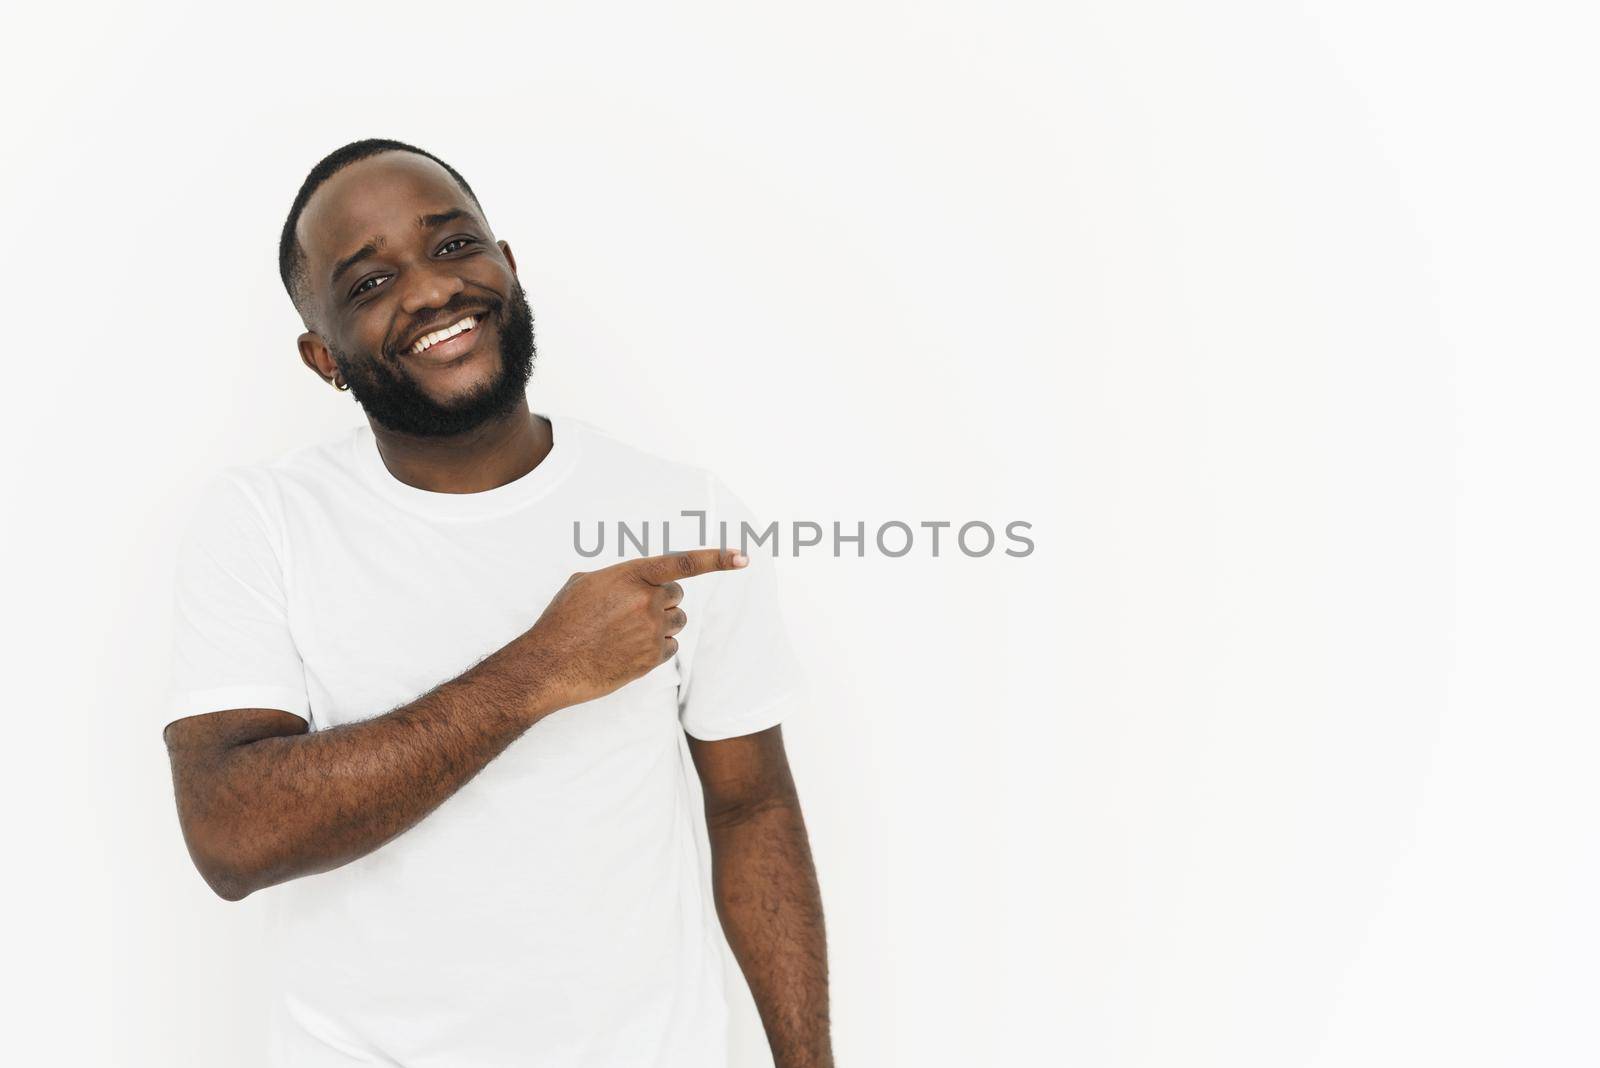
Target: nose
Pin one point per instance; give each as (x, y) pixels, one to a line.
(427, 287)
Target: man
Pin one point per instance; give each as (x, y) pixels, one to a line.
(456, 748)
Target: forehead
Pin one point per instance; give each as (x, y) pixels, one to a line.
(378, 197)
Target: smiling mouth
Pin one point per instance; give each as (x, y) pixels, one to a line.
(437, 337)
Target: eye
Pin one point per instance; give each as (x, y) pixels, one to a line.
(455, 244)
(367, 285)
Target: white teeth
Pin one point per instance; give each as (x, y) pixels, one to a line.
(427, 341)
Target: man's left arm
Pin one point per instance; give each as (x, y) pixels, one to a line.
(766, 890)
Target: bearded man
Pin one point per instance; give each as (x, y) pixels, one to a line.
(461, 759)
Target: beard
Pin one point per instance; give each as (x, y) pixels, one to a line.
(393, 399)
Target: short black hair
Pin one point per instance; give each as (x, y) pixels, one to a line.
(291, 257)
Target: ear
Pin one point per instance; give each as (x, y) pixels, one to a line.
(315, 355)
(505, 250)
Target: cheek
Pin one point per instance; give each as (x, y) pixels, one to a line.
(490, 273)
(365, 333)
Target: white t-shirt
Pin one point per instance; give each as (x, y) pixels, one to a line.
(554, 911)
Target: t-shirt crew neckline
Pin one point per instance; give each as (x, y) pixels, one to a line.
(518, 493)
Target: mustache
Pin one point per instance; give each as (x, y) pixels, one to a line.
(460, 304)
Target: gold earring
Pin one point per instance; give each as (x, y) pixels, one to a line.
(339, 387)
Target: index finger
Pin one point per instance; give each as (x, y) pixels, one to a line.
(660, 570)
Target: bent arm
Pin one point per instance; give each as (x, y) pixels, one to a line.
(261, 799)
(766, 891)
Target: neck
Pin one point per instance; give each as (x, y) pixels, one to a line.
(502, 450)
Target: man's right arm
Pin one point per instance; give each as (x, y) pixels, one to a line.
(262, 799)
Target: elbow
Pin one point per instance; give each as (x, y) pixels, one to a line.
(755, 811)
(227, 879)
(227, 885)
(228, 891)
(224, 830)
(226, 871)
(220, 844)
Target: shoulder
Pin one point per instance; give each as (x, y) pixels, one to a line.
(609, 458)
(256, 491)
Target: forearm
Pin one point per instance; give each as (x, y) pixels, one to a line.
(260, 810)
(771, 910)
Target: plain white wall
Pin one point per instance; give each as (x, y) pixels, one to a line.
(1273, 319)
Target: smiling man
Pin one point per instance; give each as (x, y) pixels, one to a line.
(461, 762)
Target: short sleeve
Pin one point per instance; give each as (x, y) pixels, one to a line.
(743, 675)
(231, 644)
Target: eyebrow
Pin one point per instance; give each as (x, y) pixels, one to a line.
(425, 222)
(370, 248)
(428, 222)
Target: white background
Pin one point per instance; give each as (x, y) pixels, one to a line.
(1274, 319)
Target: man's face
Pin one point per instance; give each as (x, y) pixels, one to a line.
(396, 251)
